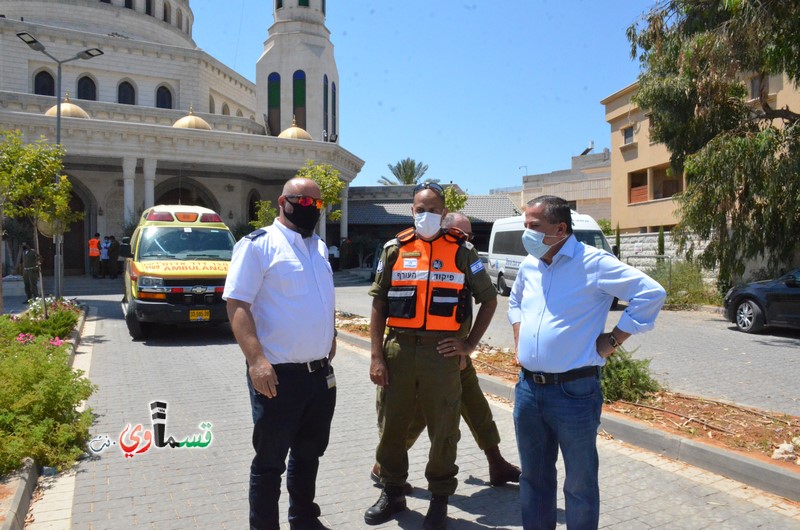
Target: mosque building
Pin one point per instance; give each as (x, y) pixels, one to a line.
(154, 119)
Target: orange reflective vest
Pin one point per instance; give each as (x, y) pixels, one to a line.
(94, 248)
(427, 289)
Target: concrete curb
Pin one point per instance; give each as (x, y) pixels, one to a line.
(22, 483)
(729, 464)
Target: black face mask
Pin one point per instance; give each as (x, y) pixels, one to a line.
(303, 217)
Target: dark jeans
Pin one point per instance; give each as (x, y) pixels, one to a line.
(549, 417)
(296, 422)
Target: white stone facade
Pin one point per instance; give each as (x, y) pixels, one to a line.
(126, 157)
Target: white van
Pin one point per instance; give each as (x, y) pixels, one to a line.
(506, 251)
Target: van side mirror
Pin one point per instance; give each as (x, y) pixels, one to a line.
(615, 250)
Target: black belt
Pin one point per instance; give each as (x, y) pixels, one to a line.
(542, 378)
(311, 366)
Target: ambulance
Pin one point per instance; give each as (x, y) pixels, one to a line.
(175, 268)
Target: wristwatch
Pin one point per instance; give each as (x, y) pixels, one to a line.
(613, 341)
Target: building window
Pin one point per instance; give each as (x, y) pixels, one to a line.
(126, 94)
(325, 132)
(129, 4)
(627, 135)
(163, 98)
(299, 98)
(274, 104)
(303, 3)
(179, 19)
(278, 4)
(212, 108)
(225, 110)
(167, 12)
(666, 183)
(239, 113)
(87, 89)
(148, 7)
(638, 187)
(334, 135)
(44, 84)
(106, 1)
(323, 7)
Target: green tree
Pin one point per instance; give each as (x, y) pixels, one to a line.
(605, 226)
(265, 214)
(36, 190)
(618, 242)
(406, 172)
(453, 200)
(330, 185)
(660, 241)
(741, 157)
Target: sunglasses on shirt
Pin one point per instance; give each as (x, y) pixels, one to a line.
(466, 235)
(305, 200)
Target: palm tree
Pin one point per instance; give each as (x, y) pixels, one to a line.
(406, 172)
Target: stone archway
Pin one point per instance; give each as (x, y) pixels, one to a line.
(185, 191)
(74, 243)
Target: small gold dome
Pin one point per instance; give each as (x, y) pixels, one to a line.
(294, 132)
(192, 122)
(68, 110)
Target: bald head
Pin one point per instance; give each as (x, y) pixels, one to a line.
(457, 220)
(301, 186)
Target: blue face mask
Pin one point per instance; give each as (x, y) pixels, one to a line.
(533, 242)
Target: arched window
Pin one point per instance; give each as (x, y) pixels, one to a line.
(303, 3)
(212, 108)
(225, 110)
(167, 12)
(278, 4)
(252, 205)
(148, 7)
(239, 113)
(325, 131)
(87, 88)
(179, 19)
(129, 4)
(126, 94)
(299, 98)
(274, 104)
(163, 98)
(44, 84)
(334, 133)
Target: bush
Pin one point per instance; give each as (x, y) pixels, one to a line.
(626, 378)
(40, 394)
(685, 288)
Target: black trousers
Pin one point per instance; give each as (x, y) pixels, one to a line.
(297, 422)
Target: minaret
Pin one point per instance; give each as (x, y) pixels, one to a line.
(296, 76)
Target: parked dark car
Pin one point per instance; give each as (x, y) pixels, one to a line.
(767, 303)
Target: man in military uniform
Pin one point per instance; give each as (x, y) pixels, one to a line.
(30, 272)
(422, 292)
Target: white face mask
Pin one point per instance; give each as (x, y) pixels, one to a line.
(427, 224)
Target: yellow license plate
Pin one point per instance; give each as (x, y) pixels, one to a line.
(199, 315)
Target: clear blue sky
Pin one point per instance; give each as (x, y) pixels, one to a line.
(473, 88)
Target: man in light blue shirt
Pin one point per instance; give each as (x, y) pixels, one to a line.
(558, 309)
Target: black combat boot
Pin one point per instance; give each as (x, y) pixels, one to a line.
(389, 503)
(500, 470)
(436, 518)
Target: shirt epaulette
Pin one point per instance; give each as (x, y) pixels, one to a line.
(253, 235)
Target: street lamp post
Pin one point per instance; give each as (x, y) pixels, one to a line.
(526, 169)
(35, 45)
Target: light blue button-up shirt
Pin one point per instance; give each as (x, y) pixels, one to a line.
(563, 307)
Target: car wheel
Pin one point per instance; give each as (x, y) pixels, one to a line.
(138, 330)
(749, 317)
(502, 288)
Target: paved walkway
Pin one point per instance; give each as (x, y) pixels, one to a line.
(200, 374)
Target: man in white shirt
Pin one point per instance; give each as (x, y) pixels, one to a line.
(280, 299)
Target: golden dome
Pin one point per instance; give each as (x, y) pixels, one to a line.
(192, 122)
(295, 133)
(68, 110)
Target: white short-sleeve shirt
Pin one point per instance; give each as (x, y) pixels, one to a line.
(289, 284)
